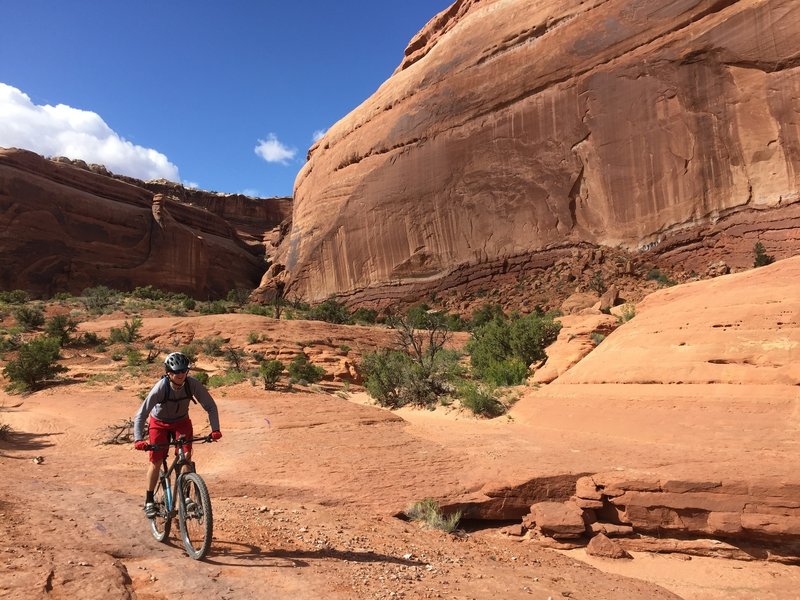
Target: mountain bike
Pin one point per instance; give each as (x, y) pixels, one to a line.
(181, 492)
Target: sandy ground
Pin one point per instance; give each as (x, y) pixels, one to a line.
(304, 487)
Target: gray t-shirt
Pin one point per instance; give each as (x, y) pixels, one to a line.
(168, 405)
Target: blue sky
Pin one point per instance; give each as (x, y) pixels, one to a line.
(224, 96)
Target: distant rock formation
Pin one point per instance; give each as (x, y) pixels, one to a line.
(68, 226)
(514, 131)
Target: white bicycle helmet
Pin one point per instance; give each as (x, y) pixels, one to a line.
(176, 361)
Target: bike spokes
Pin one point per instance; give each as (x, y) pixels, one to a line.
(160, 524)
(195, 516)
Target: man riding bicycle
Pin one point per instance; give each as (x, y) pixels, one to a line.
(167, 406)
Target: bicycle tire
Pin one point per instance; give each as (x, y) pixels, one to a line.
(160, 524)
(195, 516)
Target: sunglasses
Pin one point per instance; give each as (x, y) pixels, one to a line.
(181, 372)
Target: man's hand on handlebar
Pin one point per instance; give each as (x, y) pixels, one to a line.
(140, 445)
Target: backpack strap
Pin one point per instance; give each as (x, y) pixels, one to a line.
(168, 392)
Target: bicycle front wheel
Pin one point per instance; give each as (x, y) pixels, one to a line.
(160, 524)
(196, 520)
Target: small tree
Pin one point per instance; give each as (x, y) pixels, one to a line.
(301, 369)
(29, 317)
(761, 257)
(598, 284)
(60, 327)
(330, 311)
(129, 332)
(35, 363)
(270, 372)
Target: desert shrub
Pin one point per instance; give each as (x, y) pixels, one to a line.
(227, 378)
(60, 327)
(662, 279)
(385, 376)
(761, 257)
(133, 358)
(253, 337)
(128, 333)
(270, 371)
(235, 357)
(90, 338)
(35, 363)
(29, 317)
(10, 343)
(627, 312)
(238, 296)
(212, 346)
(98, 299)
(330, 311)
(216, 307)
(191, 351)
(480, 400)
(148, 292)
(509, 371)
(15, 297)
(364, 315)
(523, 338)
(597, 283)
(260, 309)
(486, 313)
(201, 376)
(428, 513)
(597, 337)
(5, 431)
(301, 369)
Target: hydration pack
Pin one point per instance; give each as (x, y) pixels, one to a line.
(168, 395)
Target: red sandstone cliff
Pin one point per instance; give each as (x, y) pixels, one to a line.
(66, 228)
(514, 131)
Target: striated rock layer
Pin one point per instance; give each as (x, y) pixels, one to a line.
(66, 228)
(514, 129)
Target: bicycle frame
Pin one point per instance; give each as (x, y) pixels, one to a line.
(187, 498)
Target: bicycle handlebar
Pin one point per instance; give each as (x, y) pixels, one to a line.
(205, 439)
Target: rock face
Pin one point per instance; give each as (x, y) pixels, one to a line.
(66, 229)
(514, 130)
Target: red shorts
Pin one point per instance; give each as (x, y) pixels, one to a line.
(159, 434)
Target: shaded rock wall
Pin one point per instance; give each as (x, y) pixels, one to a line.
(516, 127)
(63, 228)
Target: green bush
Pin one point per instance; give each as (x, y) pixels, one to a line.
(661, 278)
(428, 513)
(761, 257)
(15, 297)
(35, 363)
(510, 371)
(365, 315)
(129, 332)
(201, 376)
(270, 372)
(98, 299)
(228, 378)
(480, 400)
(523, 338)
(212, 346)
(134, 358)
(330, 311)
(60, 327)
(301, 369)
(486, 313)
(217, 307)
(29, 317)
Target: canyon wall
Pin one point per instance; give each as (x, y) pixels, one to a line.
(515, 130)
(64, 228)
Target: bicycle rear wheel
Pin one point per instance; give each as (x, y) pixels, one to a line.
(160, 524)
(196, 520)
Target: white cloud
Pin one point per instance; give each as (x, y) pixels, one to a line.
(273, 151)
(78, 134)
(251, 192)
(192, 185)
(318, 134)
